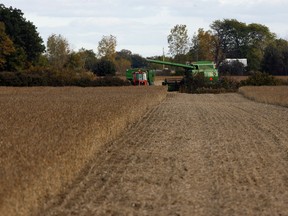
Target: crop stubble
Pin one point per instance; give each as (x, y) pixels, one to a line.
(191, 155)
(48, 134)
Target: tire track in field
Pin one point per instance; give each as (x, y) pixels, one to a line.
(248, 145)
(190, 155)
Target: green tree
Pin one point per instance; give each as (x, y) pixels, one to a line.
(107, 47)
(58, 51)
(138, 61)
(6, 46)
(229, 39)
(122, 65)
(27, 42)
(123, 61)
(74, 61)
(124, 54)
(88, 58)
(104, 67)
(258, 38)
(255, 57)
(17, 61)
(178, 40)
(275, 59)
(234, 39)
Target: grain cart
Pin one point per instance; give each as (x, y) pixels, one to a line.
(207, 68)
(140, 77)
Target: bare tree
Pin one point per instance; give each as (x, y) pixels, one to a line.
(107, 47)
(178, 40)
(58, 50)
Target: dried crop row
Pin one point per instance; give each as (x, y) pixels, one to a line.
(277, 95)
(49, 134)
(195, 155)
(240, 78)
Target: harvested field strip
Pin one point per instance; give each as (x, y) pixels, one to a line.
(277, 95)
(191, 155)
(49, 134)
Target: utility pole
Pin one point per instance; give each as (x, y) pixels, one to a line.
(163, 58)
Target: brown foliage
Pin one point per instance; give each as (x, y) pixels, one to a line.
(6, 45)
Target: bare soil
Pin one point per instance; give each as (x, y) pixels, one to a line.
(191, 155)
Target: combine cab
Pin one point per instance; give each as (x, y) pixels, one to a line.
(140, 77)
(207, 68)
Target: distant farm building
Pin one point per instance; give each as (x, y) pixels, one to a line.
(242, 60)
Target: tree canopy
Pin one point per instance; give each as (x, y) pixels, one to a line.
(6, 46)
(202, 45)
(104, 67)
(275, 60)
(234, 39)
(178, 40)
(107, 47)
(27, 42)
(58, 50)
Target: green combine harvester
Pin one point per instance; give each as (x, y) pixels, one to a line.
(207, 68)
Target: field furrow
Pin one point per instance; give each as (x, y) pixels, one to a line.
(190, 155)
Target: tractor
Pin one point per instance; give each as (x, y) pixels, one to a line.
(138, 76)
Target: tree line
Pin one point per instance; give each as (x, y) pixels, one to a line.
(232, 39)
(22, 50)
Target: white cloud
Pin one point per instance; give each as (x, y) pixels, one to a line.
(45, 21)
(143, 26)
(251, 2)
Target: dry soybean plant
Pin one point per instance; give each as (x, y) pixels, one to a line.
(49, 134)
(277, 95)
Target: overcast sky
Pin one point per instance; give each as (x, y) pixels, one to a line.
(143, 26)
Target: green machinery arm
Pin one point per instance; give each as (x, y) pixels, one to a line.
(195, 66)
(185, 66)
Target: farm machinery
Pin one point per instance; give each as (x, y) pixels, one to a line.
(140, 77)
(205, 68)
